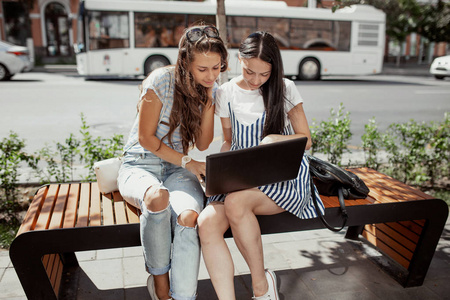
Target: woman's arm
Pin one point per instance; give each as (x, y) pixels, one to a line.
(299, 124)
(207, 126)
(226, 129)
(149, 111)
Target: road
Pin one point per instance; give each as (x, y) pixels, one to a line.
(44, 108)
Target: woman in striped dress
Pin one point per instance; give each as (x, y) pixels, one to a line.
(175, 112)
(258, 107)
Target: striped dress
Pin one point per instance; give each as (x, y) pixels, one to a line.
(294, 195)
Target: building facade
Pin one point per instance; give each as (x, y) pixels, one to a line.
(46, 27)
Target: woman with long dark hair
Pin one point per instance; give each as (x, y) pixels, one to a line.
(258, 107)
(175, 113)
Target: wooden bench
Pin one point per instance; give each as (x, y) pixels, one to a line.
(402, 222)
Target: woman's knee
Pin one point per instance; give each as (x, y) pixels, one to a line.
(211, 223)
(188, 218)
(156, 199)
(234, 208)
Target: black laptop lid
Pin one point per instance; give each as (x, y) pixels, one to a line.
(252, 167)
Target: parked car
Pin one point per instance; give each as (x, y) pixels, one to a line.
(13, 59)
(440, 67)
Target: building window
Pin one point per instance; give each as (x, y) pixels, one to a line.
(57, 30)
(17, 23)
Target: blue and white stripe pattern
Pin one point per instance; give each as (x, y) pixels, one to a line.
(294, 195)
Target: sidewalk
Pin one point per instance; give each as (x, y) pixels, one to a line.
(404, 69)
(315, 264)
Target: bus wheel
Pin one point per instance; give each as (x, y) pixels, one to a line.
(154, 62)
(309, 69)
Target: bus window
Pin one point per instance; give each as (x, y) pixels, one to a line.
(278, 27)
(157, 30)
(201, 19)
(239, 28)
(108, 30)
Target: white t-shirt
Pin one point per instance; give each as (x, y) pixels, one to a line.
(248, 105)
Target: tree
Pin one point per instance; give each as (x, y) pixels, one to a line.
(221, 21)
(434, 22)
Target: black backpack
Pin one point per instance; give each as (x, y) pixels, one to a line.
(332, 180)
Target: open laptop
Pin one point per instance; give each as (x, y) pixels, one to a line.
(252, 167)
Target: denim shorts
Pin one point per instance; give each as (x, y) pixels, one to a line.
(140, 171)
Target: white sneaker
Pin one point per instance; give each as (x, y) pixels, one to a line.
(272, 293)
(151, 287)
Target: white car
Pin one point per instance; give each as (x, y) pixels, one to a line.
(13, 59)
(440, 67)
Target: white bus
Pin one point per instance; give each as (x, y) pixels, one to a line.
(133, 37)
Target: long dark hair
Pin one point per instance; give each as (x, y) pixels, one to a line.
(190, 98)
(263, 45)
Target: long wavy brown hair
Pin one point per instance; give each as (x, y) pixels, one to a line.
(190, 98)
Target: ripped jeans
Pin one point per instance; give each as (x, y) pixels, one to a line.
(166, 244)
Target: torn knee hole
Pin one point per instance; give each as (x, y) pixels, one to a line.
(188, 218)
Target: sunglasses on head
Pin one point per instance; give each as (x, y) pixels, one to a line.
(196, 33)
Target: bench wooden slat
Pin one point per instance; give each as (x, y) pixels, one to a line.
(386, 249)
(59, 273)
(59, 208)
(45, 260)
(414, 227)
(119, 209)
(53, 269)
(393, 243)
(384, 188)
(70, 216)
(95, 212)
(33, 212)
(132, 213)
(411, 235)
(108, 213)
(47, 208)
(84, 205)
(401, 187)
(399, 237)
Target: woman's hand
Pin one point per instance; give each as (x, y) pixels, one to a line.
(273, 138)
(197, 168)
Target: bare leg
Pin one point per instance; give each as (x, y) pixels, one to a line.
(212, 224)
(241, 209)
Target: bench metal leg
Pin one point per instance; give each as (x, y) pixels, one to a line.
(353, 232)
(434, 212)
(32, 274)
(28, 248)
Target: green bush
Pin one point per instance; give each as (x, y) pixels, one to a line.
(96, 149)
(371, 143)
(59, 164)
(11, 157)
(331, 137)
(418, 153)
